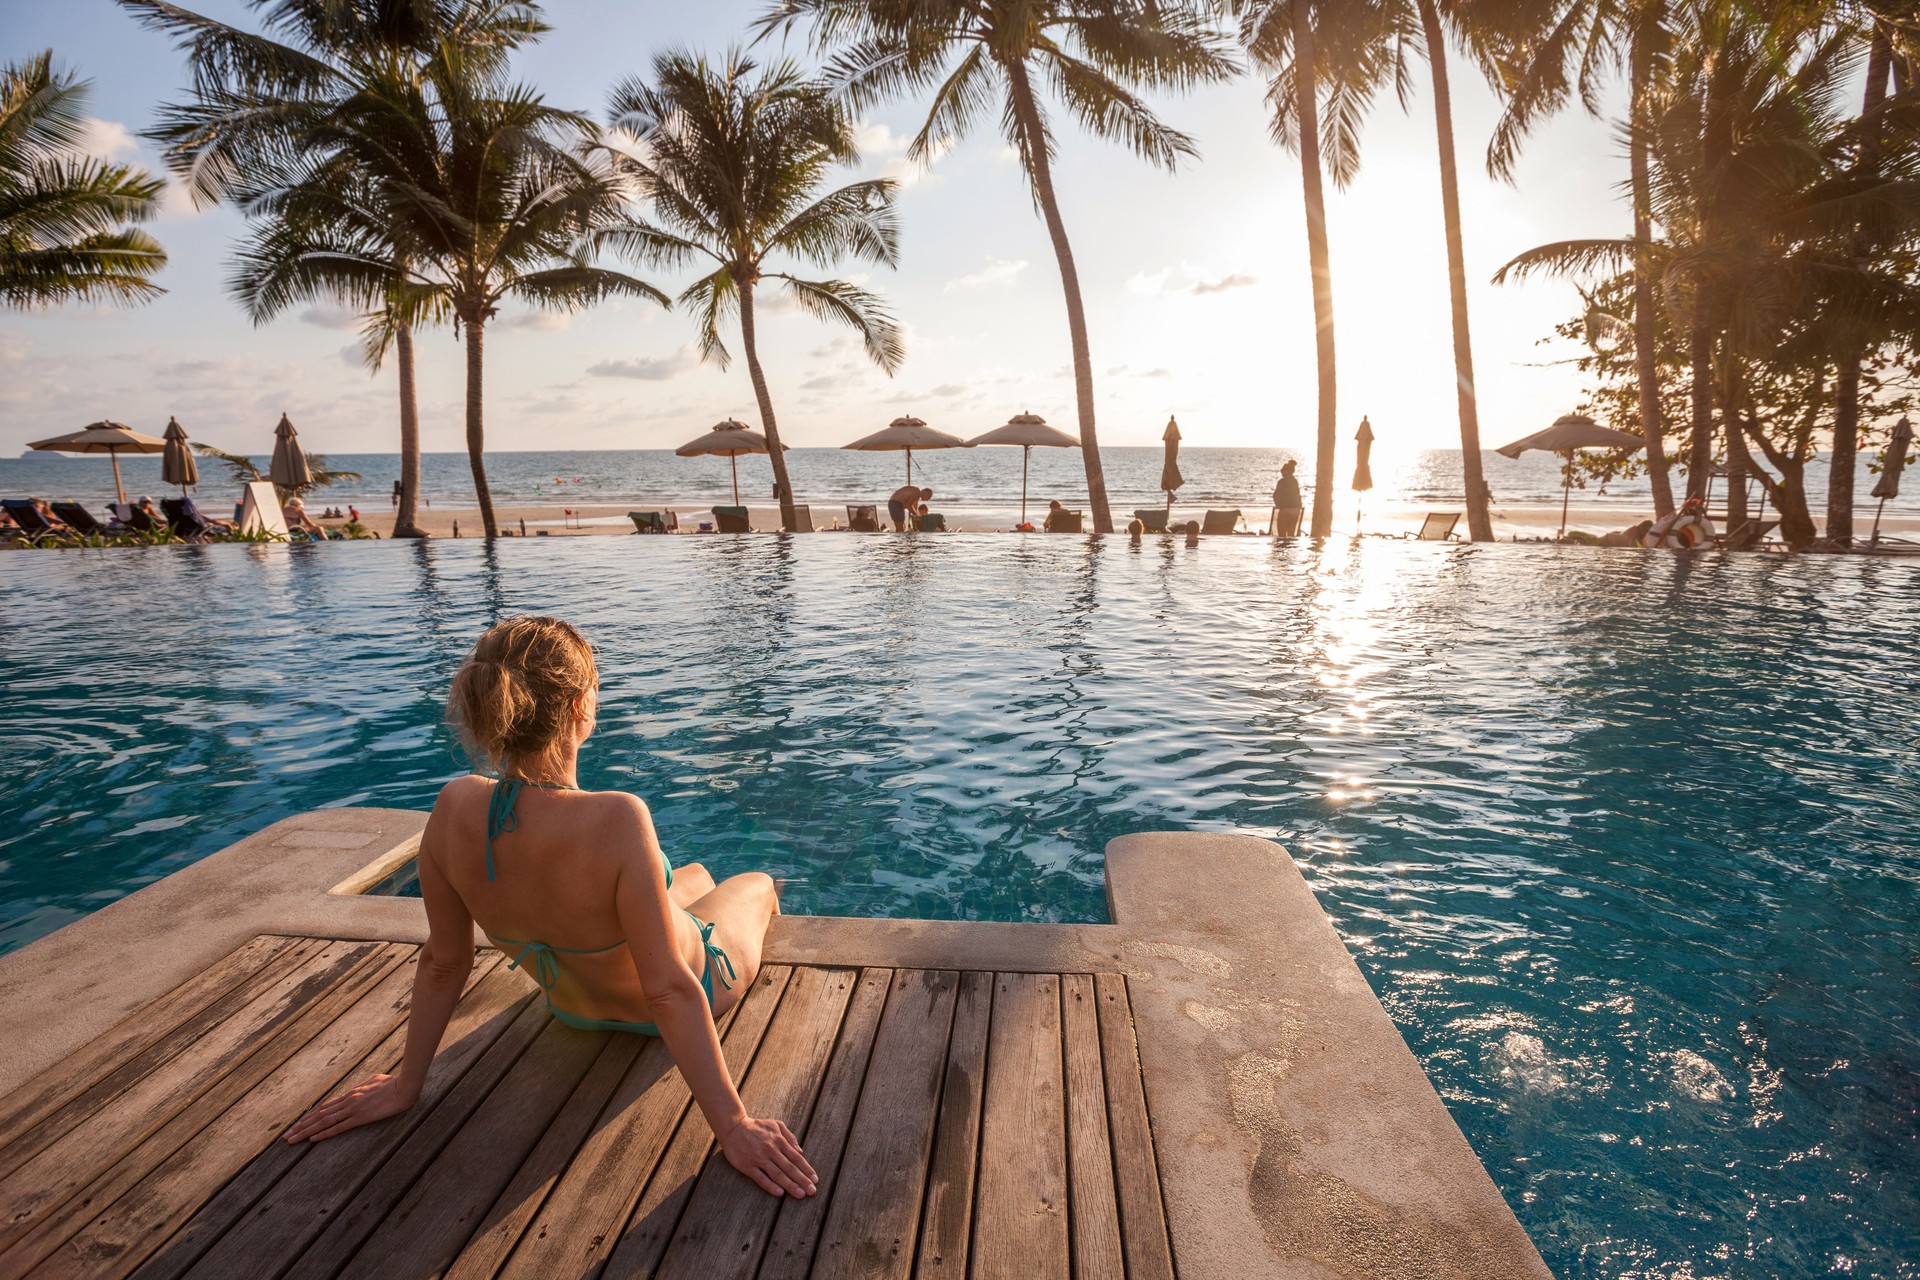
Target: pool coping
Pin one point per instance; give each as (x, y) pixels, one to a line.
(1295, 1131)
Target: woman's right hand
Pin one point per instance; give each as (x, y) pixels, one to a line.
(767, 1152)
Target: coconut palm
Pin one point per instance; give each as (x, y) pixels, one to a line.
(63, 215)
(1096, 57)
(439, 189)
(256, 93)
(244, 470)
(734, 160)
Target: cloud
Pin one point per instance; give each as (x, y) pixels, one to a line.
(1148, 284)
(329, 315)
(999, 271)
(353, 354)
(949, 389)
(108, 140)
(538, 321)
(879, 142)
(1238, 280)
(650, 368)
(821, 382)
(1158, 373)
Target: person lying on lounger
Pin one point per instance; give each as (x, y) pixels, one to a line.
(575, 890)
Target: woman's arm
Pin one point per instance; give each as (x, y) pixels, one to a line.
(764, 1150)
(438, 979)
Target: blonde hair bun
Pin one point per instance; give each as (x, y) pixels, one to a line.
(519, 692)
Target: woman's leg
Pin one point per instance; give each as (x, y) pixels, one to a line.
(739, 910)
(690, 884)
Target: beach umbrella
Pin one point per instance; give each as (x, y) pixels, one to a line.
(1170, 477)
(728, 440)
(289, 467)
(1571, 431)
(1363, 465)
(176, 464)
(1888, 486)
(110, 438)
(1028, 430)
(907, 434)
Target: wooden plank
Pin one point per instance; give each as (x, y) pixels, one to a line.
(727, 1217)
(430, 1224)
(132, 1227)
(29, 1141)
(53, 1176)
(1143, 1219)
(1095, 1214)
(272, 1210)
(34, 1100)
(501, 1227)
(796, 1228)
(644, 1153)
(1020, 1200)
(947, 1223)
(874, 1220)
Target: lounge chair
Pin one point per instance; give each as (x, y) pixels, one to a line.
(732, 520)
(136, 519)
(1154, 521)
(802, 519)
(80, 520)
(1067, 522)
(654, 521)
(863, 519)
(1438, 526)
(933, 522)
(1215, 523)
(185, 519)
(27, 518)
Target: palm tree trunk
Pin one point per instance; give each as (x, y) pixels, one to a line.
(1479, 519)
(1646, 355)
(1846, 397)
(404, 525)
(775, 453)
(1307, 117)
(476, 434)
(1700, 450)
(1027, 112)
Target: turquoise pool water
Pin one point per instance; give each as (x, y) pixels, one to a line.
(1627, 844)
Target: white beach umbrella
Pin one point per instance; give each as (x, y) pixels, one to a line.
(728, 440)
(1888, 485)
(1571, 431)
(1029, 431)
(110, 438)
(908, 434)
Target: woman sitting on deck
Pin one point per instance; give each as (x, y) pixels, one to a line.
(574, 888)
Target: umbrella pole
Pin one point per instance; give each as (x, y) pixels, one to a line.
(1566, 494)
(118, 488)
(1875, 540)
(1026, 459)
(909, 466)
(733, 460)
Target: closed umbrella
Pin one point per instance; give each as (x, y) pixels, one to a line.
(1362, 466)
(110, 438)
(176, 464)
(1027, 430)
(289, 468)
(1569, 432)
(1888, 485)
(1170, 477)
(908, 434)
(728, 440)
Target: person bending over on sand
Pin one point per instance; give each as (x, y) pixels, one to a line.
(903, 504)
(575, 890)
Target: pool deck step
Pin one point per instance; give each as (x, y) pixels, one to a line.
(1205, 1087)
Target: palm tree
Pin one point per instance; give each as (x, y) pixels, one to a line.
(1576, 49)
(734, 163)
(439, 189)
(1096, 57)
(63, 215)
(255, 93)
(244, 470)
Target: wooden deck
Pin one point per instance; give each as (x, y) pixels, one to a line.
(964, 1123)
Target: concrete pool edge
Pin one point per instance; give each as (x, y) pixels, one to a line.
(1295, 1131)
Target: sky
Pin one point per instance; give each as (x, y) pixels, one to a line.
(1196, 284)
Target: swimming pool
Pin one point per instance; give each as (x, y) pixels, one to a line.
(1626, 843)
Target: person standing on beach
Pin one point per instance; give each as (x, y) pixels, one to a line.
(904, 502)
(1287, 506)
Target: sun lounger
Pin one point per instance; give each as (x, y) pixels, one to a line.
(1215, 523)
(185, 519)
(654, 521)
(933, 522)
(1067, 522)
(732, 520)
(802, 518)
(1438, 526)
(863, 519)
(1154, 521)
(79, 519)
(32, 525)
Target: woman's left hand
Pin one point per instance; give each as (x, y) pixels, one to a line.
(377, 1099)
